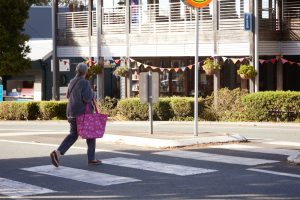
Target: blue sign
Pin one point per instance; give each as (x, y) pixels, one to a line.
(1, 93)
(247, 22)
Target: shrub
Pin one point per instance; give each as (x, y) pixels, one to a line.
(132, 109)
(183, 107)
(163, 110)
(272, 106)
(33, 110)
(108, 106)
(230, 105)
(53, 110)
(11, 110)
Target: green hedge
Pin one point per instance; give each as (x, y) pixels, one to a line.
(233, 105)
(169, 108)
(53, 110)
(272, 106)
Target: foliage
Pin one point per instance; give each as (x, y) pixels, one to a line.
(108, 106)
(13, 47)
(230, 105)
(163, 110)
(272, 106)
(121, 71)
(247, 71)
(210, 66)
(132, 109)
(53, 110)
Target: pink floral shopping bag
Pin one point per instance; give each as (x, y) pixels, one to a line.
(90, 126)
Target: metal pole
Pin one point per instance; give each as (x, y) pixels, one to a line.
(55, 87)
(256, 41)
(127, 22)
(150, 102)
(196, 72)
(100, 77)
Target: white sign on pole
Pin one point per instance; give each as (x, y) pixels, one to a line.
(64, 65)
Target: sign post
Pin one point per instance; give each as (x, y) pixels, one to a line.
(196, 4)
(149, 92)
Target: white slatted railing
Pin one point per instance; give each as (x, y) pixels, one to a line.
(291, 16)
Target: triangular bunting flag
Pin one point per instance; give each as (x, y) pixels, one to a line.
(138, 64)
(117, 61)
(283, 61)
(291, 62)
(261, 61)
(177, 69)
(146, 66)
(242, 59)
(224, 58)
(183, 68)
(190, 66)
(169, 69)
(273, 61)
(154, 68)
(162, 69)
(234, 60)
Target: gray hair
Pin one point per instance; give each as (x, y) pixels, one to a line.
(81, 69)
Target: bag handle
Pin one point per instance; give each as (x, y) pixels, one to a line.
(94, 105)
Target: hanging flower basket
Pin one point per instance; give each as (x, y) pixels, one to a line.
(121, 71)
(247, 72)
(93, 69)
(210, 71)
(210, 67)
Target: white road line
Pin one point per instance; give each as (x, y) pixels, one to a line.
(275, 173)
(284, 143)
(215, 157)
(18, 189)
(256, 149)
(73, 147)
(85, 176)
(180, 170)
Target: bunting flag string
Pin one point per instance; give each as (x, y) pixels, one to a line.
(190, 67)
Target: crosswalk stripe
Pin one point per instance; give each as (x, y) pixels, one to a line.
(18, 189)
(275, 173)
(180, 170)
(256, 149)
(215, 157)
(86, 176)
(284, 143)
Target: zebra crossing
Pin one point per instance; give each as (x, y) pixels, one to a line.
(13, 188)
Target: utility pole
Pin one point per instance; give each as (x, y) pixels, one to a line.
(55, 86)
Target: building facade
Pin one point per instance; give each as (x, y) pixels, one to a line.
(160, 34)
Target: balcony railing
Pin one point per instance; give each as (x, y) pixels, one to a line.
(291, 15)
(176, 18)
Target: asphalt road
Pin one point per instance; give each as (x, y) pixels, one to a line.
(256, 170)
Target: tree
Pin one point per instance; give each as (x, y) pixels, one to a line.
(13, 47)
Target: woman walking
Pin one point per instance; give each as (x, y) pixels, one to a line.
(79, 94)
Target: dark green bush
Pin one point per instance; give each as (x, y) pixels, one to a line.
(272, 106)
(53, 110)
(163, 110)
(33, 110)
(132, 109)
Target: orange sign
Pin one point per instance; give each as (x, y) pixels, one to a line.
(197, 3)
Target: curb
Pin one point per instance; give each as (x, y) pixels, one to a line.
(294, 158)
(165, 143)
